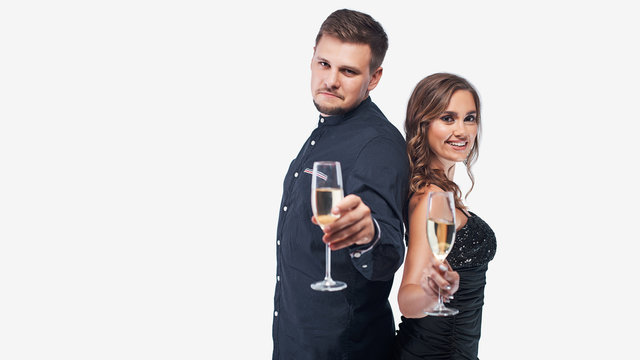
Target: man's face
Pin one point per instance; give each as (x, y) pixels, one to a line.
(340, 77)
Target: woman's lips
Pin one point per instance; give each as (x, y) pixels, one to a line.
(458, 145)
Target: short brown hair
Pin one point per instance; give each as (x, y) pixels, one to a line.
(357, 27)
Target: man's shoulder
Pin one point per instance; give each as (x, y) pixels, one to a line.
(377, 125)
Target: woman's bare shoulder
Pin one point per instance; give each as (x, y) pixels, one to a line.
(420, 196)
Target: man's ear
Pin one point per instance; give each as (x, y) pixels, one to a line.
(375, 79)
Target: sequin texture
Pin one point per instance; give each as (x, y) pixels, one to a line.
(475, 244)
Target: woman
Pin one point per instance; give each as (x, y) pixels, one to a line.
(442, 126)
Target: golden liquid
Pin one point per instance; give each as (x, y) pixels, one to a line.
(326, 198)
(441, 235)
(326, 219)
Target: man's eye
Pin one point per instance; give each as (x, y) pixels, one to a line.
(324, 64)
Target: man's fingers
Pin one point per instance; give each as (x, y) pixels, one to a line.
(340, 228)
(355, 233)
(349, 218)
(348, 203)
(354, 226)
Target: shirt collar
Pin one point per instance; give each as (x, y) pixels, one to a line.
(337, 119)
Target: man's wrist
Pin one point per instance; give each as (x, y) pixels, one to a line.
(358, 250)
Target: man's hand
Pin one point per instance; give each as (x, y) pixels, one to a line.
(354, 226)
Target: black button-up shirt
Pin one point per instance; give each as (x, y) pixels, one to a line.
(357, 322)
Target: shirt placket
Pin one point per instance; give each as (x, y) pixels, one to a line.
(298, 165)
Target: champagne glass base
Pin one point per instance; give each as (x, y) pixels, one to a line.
(444, 311)
(328, 285)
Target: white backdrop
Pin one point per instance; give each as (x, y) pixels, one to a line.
(143, 146)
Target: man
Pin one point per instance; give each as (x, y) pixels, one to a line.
(367, 240)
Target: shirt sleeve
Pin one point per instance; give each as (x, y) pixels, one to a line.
(380, 178)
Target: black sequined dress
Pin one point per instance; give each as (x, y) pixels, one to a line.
(454, 337)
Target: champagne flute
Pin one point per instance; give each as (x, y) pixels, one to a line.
(326, 192)
(441, 233)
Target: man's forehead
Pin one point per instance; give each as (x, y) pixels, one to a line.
(334, 50)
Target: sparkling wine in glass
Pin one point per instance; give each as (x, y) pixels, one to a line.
(326, 192)
(441, 234)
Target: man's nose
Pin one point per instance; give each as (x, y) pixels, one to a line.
(332, 80)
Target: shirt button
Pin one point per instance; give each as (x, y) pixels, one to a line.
(322, 120)
(313, 142)
(278, 277)
(295, 174)
(356, 254)
(275, 313)
(278, 242)
(284, 208)
(364, 266)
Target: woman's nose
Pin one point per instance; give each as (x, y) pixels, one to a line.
(459, 129)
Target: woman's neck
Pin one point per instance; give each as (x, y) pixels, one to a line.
(448, 167)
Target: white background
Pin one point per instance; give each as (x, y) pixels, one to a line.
(143, 146)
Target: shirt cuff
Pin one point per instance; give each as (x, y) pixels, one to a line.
(358, 252)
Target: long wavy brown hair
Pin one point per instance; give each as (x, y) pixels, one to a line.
(428, 101)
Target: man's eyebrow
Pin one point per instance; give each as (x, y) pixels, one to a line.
(352, 69)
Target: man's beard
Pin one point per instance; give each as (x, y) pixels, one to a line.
(330, 110)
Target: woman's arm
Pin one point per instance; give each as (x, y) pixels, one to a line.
(422, 273)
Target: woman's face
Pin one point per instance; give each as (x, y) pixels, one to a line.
(453, 134)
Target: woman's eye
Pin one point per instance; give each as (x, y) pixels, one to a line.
(447, 118)
(470, 118)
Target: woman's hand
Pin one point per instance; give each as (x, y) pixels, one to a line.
(440, 276)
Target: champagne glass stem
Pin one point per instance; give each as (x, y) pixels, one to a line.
(327, 257)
